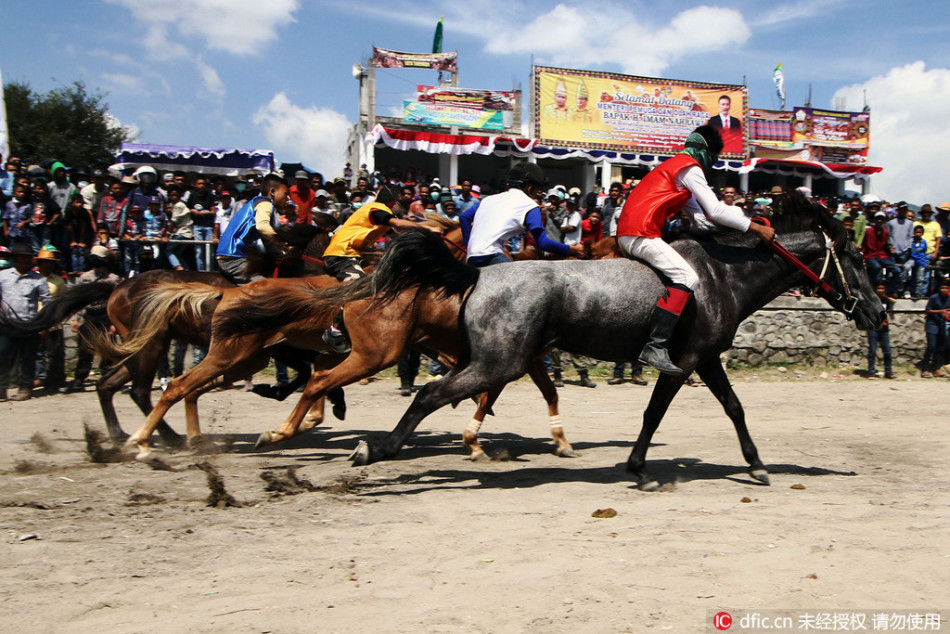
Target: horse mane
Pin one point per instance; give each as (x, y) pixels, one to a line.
(792, 213)
(415, 259)
(439, 223)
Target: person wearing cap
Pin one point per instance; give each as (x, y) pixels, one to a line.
(465, 199)
(877, 254)
(132, 236)
(678, 184)
(93, 317)
(901, 235)
(931, 227)
(447, 208)
(22, 290)
(95, 191)
(339, 196)
(303, 196)
(321, 203)
(47, 214)
(51, 359)
(251, 225)
(943, 217)
(224, 210)
(487, 226)
(60, 189)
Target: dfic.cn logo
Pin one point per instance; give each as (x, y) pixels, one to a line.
(722, 621)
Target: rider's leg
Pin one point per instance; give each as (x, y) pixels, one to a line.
(668, 309)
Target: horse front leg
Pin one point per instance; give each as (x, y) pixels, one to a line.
(713, 374)
(664, 391)
(541, 378)
(470, 435)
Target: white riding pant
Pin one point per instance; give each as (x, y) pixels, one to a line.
(661, 256)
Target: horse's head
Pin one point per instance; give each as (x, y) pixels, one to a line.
(842, 265)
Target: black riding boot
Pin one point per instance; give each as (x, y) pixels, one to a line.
(335, 335)
(662, 323)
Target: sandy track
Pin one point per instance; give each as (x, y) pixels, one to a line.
(431, 542)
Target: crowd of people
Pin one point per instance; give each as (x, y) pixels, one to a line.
(63, 225)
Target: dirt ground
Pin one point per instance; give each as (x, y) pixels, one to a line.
(856, 516)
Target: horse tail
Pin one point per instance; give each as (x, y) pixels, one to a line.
(70, 301)
(102, 343)
(256, 311)
(157, 307)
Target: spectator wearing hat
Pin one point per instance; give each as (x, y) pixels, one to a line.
(901, 232)
(302, 196)
(931, 227)
(181, 228)
(51, 359)
(22, 290)
(943, 217)
(448, 208)
(80, 232)
(877, 255)
(17, 214)
(321, 203)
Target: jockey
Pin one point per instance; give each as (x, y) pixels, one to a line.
(678, 183)
(355, 236)
(490, 223)
(254, 221)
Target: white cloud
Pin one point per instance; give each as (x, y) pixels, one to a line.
(314, 136)
(211, 81)
(131, 129)
(124, 83)
(908, 121)
(240, 27)
(585, 36)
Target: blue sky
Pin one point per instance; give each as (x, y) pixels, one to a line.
(277, 74)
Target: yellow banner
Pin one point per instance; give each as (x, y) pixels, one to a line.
(608, 111)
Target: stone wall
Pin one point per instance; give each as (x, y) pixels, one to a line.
(807, 330)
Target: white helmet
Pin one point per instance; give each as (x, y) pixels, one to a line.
(149, 174)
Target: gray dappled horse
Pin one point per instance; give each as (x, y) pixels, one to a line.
(602, 309)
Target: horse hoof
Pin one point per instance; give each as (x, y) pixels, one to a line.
(360, 455)
(196, 443)
(761, 475)
(263, 440)
(649, 486)
(479, 457)
(144, 455)
(121, 438)
(340, 412)
(566, 452)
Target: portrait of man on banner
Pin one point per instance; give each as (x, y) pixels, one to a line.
(729, 126)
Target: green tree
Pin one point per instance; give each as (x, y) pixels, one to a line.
(69, 124)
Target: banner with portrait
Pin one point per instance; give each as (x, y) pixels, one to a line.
(608, 111)
(384, 58)
(847, 132)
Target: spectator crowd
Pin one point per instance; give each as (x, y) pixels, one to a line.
(63, 225)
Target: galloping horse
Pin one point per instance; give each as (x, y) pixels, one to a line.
(194, 327)
(602, 309)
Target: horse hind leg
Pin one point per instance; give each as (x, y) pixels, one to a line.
(110, 383)
(714, 376)
(540, 377)
(470, 435)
